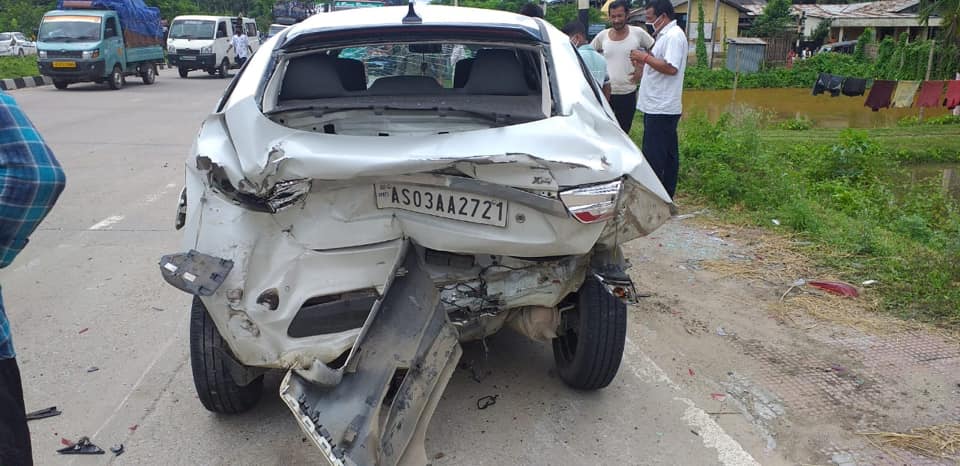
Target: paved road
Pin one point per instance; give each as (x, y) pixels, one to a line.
(87, 292)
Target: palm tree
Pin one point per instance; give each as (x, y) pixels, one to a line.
(948, 11)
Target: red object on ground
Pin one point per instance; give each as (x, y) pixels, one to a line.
(930, 92)
(953, 94)
(838, 288)
(66, 442)
(718, 396)
(691, 372)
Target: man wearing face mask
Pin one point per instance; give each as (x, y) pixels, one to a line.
(660, 92)
(594, 61)
(615, 43)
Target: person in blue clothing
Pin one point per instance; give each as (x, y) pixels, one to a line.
(596, 64)
(31, 180)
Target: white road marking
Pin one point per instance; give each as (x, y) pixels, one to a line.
(103, 224)
(729, 451)
(136, 384)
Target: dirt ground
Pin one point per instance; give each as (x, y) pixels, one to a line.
(725, 316)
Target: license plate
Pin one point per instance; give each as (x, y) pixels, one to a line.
(187, 58)
(64, 64)
(444, 203)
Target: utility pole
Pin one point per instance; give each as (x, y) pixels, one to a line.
(713, 32)
(933, 46)
(583, 7)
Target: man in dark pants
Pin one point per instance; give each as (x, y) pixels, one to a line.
(660, 92)
(30, 182)
(615, 44)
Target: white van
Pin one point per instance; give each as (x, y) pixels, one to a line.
(197, 42)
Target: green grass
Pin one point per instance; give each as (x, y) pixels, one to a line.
(17, 67)
(847, 192)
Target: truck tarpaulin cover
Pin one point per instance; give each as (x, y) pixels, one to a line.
(140, 23)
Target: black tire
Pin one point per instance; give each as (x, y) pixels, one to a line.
(224, 68)
(60, 84)
(215, 386)
(182, 71)
(589, 351)
(116, 78)
(149, 74)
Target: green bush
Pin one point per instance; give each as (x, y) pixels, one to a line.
(848, 195)
(800, 123)
(18, 67)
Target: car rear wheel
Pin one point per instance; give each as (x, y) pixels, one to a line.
(589, 350)
(149, 75)
(116, 78)
(224, 68)
(210, 359)
(182, 71)
(60, 84)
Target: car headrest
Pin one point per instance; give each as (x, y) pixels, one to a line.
(311, 77)
(461, 72)
(405, 85)
(496, 72)
(352, 73)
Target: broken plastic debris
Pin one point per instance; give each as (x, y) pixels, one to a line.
(93, 369)
(723, 333)
(869, 282)
(83, 447)
(775, 222)
(837, 288)
(117, 449)
(718, 396)
(485, 402)
(44, 413)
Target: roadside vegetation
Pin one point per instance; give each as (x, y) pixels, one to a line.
(18, 67)
(894, 60)
(848, 194)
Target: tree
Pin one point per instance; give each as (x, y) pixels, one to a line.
(949, 12)
(701, 40)
(821, 32)
(860, 51)
(776, 16)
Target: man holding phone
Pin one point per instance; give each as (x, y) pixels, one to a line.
(661, 88)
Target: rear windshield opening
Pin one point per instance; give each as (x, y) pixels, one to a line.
(500, 85)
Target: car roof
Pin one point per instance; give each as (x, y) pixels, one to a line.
(431, 15)
(208, 17)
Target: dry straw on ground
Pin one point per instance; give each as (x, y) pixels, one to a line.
(941, 441)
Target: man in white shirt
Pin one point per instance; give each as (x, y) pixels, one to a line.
(660, 92)
(615, 43)
(240, 43)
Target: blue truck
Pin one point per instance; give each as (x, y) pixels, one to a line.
(100, 41)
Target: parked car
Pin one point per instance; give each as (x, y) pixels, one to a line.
(847, 46)
(274, 29)
(354, 234)
(16, 44)
(197, 42)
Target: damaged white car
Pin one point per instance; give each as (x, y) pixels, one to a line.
(378, 185)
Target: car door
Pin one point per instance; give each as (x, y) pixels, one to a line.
(29, 46)
(222, 42)
(113, 44)
(253, 36)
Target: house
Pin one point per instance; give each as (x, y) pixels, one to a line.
(886, 17)
(733, 18)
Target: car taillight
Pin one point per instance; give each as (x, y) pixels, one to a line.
(591, 204)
